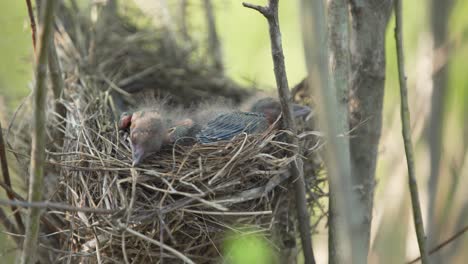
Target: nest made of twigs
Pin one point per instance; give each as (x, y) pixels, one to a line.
(180, 202)
(185, 197)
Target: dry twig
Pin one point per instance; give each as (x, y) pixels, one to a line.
(213, 40)
(32, 23)
(153, 241)
(57, 88)
(58, 206)
(443, 244)
(7, 181)
(10, 227)
(270, 12)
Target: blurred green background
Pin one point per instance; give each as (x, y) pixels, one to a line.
(247, 56)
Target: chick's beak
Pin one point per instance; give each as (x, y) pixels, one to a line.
(125, 120)
(138, 154)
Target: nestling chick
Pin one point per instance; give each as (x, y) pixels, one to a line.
(271, 108)
(125, 120)
(263, 114)
(182, 131)
(148, 133)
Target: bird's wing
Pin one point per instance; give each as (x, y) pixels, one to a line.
(227, 126)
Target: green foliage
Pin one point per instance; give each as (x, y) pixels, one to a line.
(16, 52)
(247, 249)
(16, 55)
(458, 79)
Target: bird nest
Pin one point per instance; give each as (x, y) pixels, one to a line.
(179, 203)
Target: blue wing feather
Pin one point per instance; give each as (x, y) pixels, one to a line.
(227, 126)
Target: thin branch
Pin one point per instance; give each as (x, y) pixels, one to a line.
(21, 202)
(55, 72)
(10, 227)
(183, 20)
(36, 180)
(271, 14)
(7, 188)
(405, 120)
(459, 224)
(442, 244)
(58, 206)
(213, 39)
(264, 10)
(33, 24)
(7, 180)
(157, 243)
